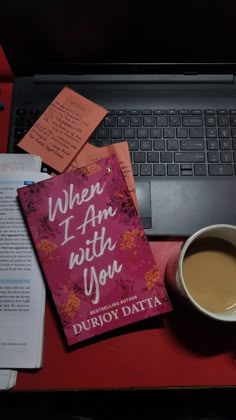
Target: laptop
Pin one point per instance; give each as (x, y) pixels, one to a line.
(165, 71)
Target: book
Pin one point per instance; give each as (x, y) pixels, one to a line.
(93, 250)
(22, 288)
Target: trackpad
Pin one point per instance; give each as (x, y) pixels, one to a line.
(143, 192)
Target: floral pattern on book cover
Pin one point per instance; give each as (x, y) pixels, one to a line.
(93, 250)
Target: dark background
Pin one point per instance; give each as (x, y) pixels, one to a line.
(179, 404)
(73, 32)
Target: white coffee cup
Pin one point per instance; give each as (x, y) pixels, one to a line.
(174, 273)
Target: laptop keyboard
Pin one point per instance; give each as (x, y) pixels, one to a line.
(165, 142)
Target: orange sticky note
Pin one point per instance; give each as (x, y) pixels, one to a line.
(63, 129)
(90, 154)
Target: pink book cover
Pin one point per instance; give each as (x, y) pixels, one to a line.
(93, 250)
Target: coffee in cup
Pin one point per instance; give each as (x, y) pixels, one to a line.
(204, 272)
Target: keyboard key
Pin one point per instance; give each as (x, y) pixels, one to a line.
(172, 145)
(182, 132)
(196, 132)
(192, 121)
(223, 121)
(220, 169)
(209, 112)
(20, 121)
(21, 111)
(174, 121)
(210, 121)
(184, 112)
(189, 157)
(110, 121)
(149, 121)
(212, 144)
(221, 112)
(226, 157)
(159, 170)
(172, 169)
(185, 166)
(146, 170)
(191, 144)
(153, 157)
(146, 145)
(123, 121)
(136, 121)
(199, 170)
(159, 112)
(187, 173)
(116, 133)
(146, 112)
(166, 157)
(196, 112)
(20, 133)
(186, 169)
(159, 145)
(139, 157)
(134, 112)
(169, 132)
(155, 133)
(142, 133)
(103, 133)
(121, 111)
(133, 145)
(224, 133)
(162, 121)
(213, 157)
(225, 145)
(171, 112)
(211, 133)
(129, 133)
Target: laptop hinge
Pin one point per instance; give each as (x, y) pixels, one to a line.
(134, 78)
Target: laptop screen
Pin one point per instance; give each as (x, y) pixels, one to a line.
(63, 36)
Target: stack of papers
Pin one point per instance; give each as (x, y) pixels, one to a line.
(22, 289)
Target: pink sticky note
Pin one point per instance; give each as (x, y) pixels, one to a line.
(63, 129)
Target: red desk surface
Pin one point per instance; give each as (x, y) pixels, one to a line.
(180, 349)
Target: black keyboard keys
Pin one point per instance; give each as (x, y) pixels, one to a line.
(220, 169)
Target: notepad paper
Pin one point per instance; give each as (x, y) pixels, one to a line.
(63, 129)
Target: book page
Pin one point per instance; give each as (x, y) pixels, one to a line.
(7, 379)
(62, 130)
(22, 290)
(16, 162)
